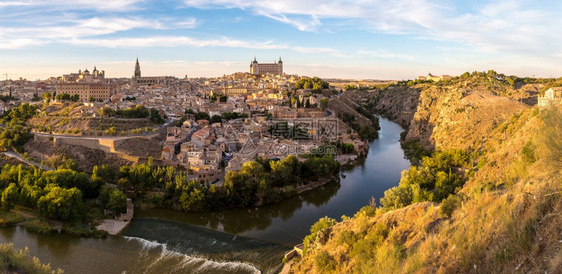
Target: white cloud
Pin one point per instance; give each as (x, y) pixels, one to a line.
(177, 41)
(65, 5)
(20, 43)
(75, 28)
(188, 23)
(13, 4)
(514, 25)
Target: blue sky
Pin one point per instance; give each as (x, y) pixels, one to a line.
(340, 38)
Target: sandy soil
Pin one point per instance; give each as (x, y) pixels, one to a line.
(113, 227)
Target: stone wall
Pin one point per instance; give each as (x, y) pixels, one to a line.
(106, 145)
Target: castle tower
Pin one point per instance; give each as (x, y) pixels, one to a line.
(137, 69)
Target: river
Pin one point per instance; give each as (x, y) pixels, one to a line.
(234, 241)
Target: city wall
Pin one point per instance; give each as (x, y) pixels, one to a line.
(106, 145)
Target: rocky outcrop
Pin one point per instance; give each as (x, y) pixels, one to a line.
(468, 115)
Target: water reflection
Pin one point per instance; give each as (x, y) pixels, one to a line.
(7, 233)
(242, 220)
(58, 249)
(322, 194)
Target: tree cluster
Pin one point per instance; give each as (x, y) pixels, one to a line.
(138, 111)
(314, 83)
(227, 116)
(15, 133)
(58, 194)
(434, 180)
(268, 180)
(67, 97)
(220, 98)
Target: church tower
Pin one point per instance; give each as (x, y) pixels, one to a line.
(137, 69)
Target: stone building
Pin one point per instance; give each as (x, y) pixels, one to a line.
(275, 68)
(85, 76)
(553, 96)
(87, 85)
(434, 78)
(87, 91)
(150, 80)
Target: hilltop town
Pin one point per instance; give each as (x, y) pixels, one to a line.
(209, 126)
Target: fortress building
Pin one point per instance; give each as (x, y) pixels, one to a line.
(275, 68)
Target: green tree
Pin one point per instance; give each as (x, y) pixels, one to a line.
(193, 201)
(106, 111)
(396, 197)
(9, 197)
(324, 103)
(215, 119)
(60, 203)
(117, 201)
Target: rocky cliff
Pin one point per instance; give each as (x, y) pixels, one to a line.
(453, 117)
(506, 218)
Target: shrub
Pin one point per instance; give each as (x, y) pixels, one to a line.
(19, 261)
(10, 218)
(482, 162)
(449, 205)
(77, 229)
(528, 153)
(347, 237)
(324, 261)
(40, 226)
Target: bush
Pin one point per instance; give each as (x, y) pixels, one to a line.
(10, 218)
(77, 229)
(528, 153)
(19, 261)
(347, 237)
(449, 205)
(413, 151)
(325, 262)
(482, 162)
(40, 226)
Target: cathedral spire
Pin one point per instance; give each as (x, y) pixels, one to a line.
(137, 69)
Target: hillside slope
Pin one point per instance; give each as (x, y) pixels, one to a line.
(505, 218)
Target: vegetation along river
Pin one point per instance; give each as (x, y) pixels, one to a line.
(235, 241)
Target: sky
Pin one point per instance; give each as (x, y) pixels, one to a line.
(358, 39)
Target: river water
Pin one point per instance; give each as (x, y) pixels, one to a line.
(234, 241)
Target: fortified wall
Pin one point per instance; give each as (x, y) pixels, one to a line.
(106, 145)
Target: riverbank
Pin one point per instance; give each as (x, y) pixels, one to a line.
(115, 226)
(318, 183)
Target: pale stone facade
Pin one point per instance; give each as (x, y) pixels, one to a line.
(553, 96)
(87, 85)
(434, 78)
(275, 68)
(97, 91)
